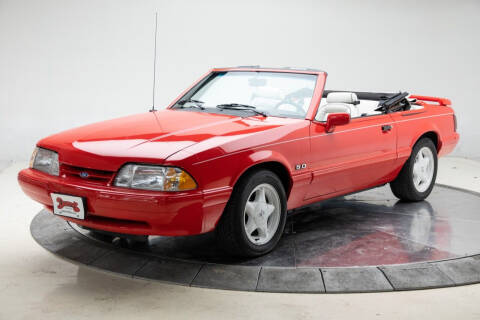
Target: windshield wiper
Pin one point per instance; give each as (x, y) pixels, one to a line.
(239, 106)
(195, 103)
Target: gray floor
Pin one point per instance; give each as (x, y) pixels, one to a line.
(367, 242)
(34, 284)
(370, 228)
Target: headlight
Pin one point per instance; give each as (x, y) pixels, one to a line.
(45, 160)
(156, 178)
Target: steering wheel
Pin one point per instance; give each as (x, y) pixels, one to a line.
(289, 101)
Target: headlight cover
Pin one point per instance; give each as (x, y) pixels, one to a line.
(156, 178)
(45, 160)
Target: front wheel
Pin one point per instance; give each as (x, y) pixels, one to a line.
(254, 218)
(417, 177)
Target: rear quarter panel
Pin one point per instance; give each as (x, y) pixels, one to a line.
(412, 124)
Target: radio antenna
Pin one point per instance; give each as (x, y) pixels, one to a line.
(154, 63)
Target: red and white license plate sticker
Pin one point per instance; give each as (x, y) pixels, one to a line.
(68, 206)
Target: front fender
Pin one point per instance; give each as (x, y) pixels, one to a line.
(221, 174)
(262, 157)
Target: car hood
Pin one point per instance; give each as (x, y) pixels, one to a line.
(149, 137)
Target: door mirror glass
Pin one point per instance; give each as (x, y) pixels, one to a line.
(336, 119)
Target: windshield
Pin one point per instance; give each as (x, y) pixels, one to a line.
(271, 93)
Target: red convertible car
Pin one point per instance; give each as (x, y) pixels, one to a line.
(235, 152)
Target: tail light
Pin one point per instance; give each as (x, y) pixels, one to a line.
(455, 123)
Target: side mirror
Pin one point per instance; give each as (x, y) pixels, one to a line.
(336, 119)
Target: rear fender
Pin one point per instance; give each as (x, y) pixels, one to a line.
(430, 127)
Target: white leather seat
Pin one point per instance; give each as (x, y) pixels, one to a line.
(339, 102)
(342, 97)
(332, 108)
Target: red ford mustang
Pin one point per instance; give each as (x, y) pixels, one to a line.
(235, 152)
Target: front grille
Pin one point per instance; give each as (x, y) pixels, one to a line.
(92, 175)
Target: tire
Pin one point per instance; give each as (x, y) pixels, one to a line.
(408, 186)
(265, 227)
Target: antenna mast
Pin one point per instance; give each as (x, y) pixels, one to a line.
(154, 63)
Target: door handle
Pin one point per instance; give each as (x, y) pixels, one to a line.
(386, 127)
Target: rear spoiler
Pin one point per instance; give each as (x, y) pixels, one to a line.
(440, 101)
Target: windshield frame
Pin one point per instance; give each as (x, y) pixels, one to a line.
(311, 110)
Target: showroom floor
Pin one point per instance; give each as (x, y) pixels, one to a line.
(36, 284)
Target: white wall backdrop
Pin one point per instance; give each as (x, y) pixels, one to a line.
(68, 63)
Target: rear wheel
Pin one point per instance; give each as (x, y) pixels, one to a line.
(254, 218)
(417, 177)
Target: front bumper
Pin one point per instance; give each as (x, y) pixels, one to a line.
(130, 211)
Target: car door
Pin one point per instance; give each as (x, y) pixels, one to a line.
(354, 156)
